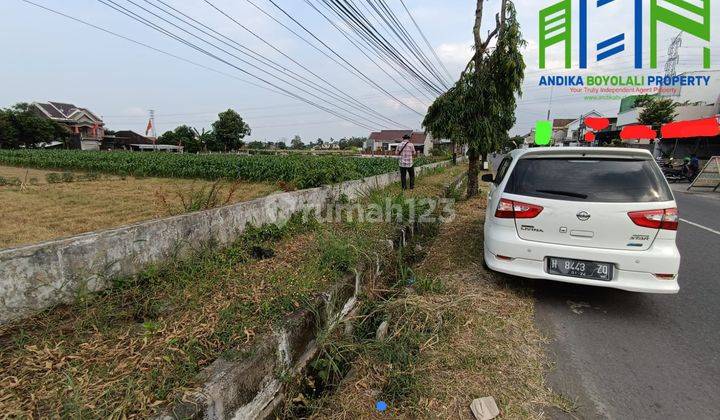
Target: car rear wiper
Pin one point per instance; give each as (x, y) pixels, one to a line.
(565, 193)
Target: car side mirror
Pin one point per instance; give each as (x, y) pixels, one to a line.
(488, 178)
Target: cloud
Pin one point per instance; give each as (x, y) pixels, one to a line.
(412, 102)
(455, 54)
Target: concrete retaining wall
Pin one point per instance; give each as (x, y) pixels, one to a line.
(35, 277)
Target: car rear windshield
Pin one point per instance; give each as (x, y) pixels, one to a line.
(591, 180)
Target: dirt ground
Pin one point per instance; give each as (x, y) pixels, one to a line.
(37, 210)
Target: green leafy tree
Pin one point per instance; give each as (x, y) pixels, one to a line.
(281, 145)
(207, 140)
(479, 110)
(229, 131)
(20, 126)
(656, 110)
(256, 145)
(182, 136)
(297, 143)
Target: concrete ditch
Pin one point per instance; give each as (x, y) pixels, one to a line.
(255, 387)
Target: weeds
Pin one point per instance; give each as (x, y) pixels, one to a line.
(454, 335)
(198, 199)
(68, 177)
(11, 182)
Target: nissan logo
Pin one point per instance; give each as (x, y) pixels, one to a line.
(583, 216)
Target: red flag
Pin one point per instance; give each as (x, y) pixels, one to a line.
(149, 127)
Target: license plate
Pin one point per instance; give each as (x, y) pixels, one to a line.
(581, 269)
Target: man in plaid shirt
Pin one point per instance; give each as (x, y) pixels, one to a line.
(406, 151)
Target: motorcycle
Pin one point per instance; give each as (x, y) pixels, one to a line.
(678, 173)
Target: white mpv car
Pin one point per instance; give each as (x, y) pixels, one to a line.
(595, 216)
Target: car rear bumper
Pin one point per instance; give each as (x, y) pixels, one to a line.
(634, 270)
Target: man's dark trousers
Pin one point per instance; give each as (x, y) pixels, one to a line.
(403, 177)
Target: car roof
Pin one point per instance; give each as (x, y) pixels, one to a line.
(598, 152)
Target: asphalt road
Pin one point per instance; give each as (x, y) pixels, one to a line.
(622, 355)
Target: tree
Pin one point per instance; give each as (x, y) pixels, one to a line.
(229, 131)
(479, 110)
(281, 145)
(256, 145)
(657, 111)
(182, 136)
(297, 143)
(21, 127)
(207, 141)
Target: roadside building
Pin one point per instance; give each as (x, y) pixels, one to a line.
(565, 131)
(695, 103)
(123, 140)
(387, 141)
(573, 133)
(86, 127)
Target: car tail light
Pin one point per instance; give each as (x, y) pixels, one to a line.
(508, 209)
(656, 219)
(665, 276)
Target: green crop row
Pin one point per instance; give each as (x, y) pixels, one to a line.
(299, 170)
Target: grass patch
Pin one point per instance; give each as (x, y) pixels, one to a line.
(43, 211)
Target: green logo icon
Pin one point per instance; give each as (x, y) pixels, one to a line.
(543, 133)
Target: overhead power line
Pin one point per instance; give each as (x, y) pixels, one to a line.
(253, 55)
(359, 23)
(339, 56)
(343, 63)
(144, 21)
(422, 34)
(409, 41)
(150, 47)
(356, 42)
(327, 83)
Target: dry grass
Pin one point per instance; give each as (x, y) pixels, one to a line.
(41, 212)
(463, 333)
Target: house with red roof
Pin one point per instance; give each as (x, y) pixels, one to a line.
(387, 141)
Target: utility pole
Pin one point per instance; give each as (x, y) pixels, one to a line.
(552, 90)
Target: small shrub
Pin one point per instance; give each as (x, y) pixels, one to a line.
(53, 178)
(57, 178)
(429, 285)
(337, 254)
(92, 176)
(12, 182)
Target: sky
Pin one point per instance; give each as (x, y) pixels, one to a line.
(52, 58)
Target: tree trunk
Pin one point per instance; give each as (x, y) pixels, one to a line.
(476, 34)
(473, 169)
